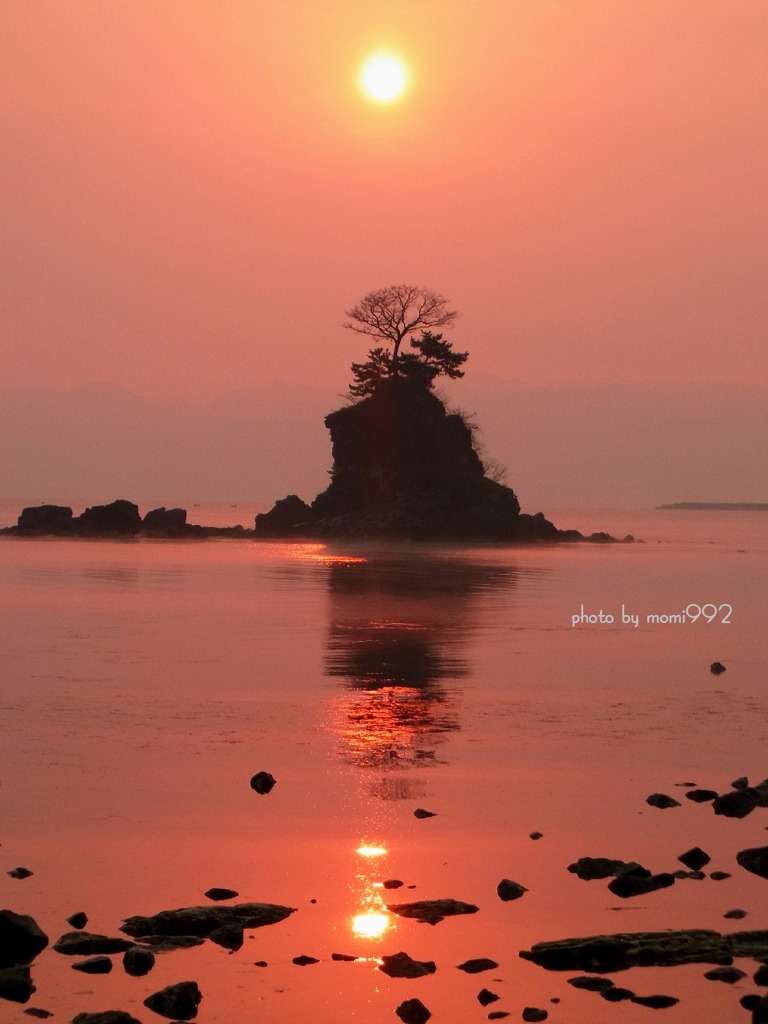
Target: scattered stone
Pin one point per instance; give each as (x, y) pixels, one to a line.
(230, 936)
(736, 912)
(755, 860)
(263, 782)
(105, 1017)
(761, 975)
(661, 800)
(201, 921)
(760, 1010)
(603, 954)
(78, 920)
(421, 813)
(701, 796)
(762, 793)
(509, 890)
(217, 894)
(304, 960)
(614, 994)
(260, 963)
(626, 886)
(481, 963)
(591, 984)
(695, 858)
(655, 1002)
(533, 1013)
(35, 1011)
(536, 835)
(485, 997)
(20, 873)
(719, 876)
(432, 911)
(21, 939)
(497, 1014)
(413, 1011)
(345, 957)
(730, 975)
(393, 883)
(95, 965)
(590, 868)
(88, 944)
(689, 784)
(400, 965)
(138, 961)
(716, 668)
(741, 783)
(697, 875)
(736, 804)
(177, 1002)
(16, 984)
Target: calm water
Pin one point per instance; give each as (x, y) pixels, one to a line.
(144, 683)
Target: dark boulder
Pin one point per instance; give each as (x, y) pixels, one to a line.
(21, 939)
(87, 944)
(94, 965)
(625, 886)
(229, 936)
(695, 858)
(701, 796)
(432, 911)
(16, 984)
(105, 1017)
(485, 997)
(177, 1002)
(201, 921)
(413, 1011)
(20, 873)
(118, 518)
(138, 961)
(56, 519)
(661, 800)
(78, 920)
(216, 894)
(304, 960)
(603, 954)
(263, 783)
(478, 965)
(755, 860)
(736, 804)
(508, 890)
(727, 973)
(164, 522)
(288, 517)
(589, 868)
(400, 965)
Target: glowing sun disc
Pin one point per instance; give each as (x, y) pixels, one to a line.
(383, 77)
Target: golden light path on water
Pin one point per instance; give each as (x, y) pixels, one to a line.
(372, 921)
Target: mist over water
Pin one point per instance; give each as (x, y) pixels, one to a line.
(145, 682)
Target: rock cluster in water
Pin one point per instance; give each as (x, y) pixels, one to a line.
(406, 468)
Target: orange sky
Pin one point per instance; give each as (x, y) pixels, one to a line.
(194, 190)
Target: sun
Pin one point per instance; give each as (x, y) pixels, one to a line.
(383, 77)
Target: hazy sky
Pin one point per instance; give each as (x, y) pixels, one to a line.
(195, 190)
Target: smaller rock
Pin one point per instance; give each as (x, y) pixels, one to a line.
(614, 994)
(89, 944)
(20, 873)
(178, 1002)
(533, 1013)
(591, 984)
(626, 886)
(736, 913)
(755, 860)
(655, 1002)
(719, 876)
(498, 1014)
(536, 835)
(509, 890)
(263, 782)
(485, 996)
(260, 963)
(413, 1011)
(716, 668)
(695, 858)
(421, 813)
(760, 976)
(401, 965)
(345, 957)
(21, 939)
(94, 965)
(78, 920)
(217, 894)
(105, 1017)
(661, 800)
(729, 975)
(701, 796)
(477, 965)
(392, 883)
(304, 960)
(138, 961)
(741, 783)
(35, 1011)
(697, 875)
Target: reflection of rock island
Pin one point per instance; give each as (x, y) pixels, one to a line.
(399, 624)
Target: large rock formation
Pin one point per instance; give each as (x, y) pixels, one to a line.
(404, 467)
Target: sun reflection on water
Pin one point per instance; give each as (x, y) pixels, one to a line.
(372, 919)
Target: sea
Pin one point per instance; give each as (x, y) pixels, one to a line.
(529, 698)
